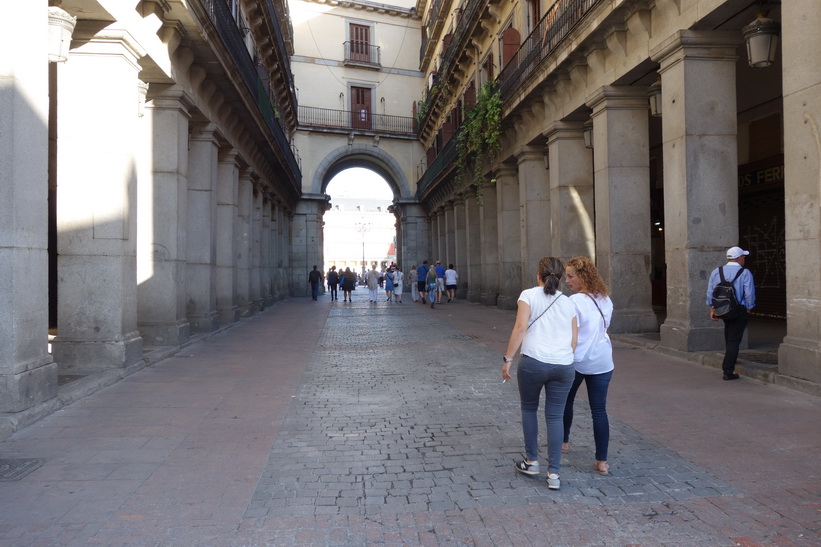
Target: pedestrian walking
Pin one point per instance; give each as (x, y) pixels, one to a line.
(742, 299)
(413, 278)
(314, 278)
(440, 281)
(348, 284)
(422, 281)
(389, 288)
(372, 281)
(432, 287)
(546, 329)
(593, 358)
(450, 283)
(398, 279)
(333, 282)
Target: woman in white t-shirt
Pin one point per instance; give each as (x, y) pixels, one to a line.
(546, 330)
(593, 360)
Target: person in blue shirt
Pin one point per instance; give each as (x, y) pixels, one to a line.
(440, 281)
(421, 275)
(745, 295)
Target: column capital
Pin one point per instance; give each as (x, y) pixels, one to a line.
(697, 44)
(564, 130)
(529, 153)
(618, 97)
(506, 170)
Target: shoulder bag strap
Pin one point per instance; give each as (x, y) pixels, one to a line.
(545, 311)
(604, 322)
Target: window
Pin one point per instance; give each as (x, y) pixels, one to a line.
(361, 107)
(534, 13)
(360, 43)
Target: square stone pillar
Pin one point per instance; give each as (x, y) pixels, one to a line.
(436, 222)
(799, 356)
(28, 376)
(472, 277)
(306, 241)
(201, 228)
(509, 236)
(226, 245)
(449, 234)
(96, 205)
(267, 255)
(415, 228)
(459, 258)
(162, 219)
(442, 234)
(534, 204)
(242, 233)
(621, 162)
(700, 177)
(256, 250)
(572, 227)
(489, 242)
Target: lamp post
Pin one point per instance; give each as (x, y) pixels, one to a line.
(363, 227)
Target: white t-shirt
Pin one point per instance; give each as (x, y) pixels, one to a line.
(450, 277)
(549, 337)
(594, 351)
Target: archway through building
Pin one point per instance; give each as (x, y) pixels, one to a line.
(359, 230)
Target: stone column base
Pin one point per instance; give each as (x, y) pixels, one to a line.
(507, 302)
(684, 338)
(204, 322)
(85, 357)
(165, 334)
(633, 321)
(228, 316)
(489, 299)
(800, 359)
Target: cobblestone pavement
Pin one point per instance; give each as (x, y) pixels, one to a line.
(319, 423)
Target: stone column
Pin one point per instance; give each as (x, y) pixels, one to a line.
(799, 357)
(472, 276)
(306, 241)
(534, 204)
(435, 231)
(509, 236)
(459, 258)
(201, 228)
(242, 232)
(441, 249)
(416, 235)
(621, 162)
(266, 262)
(226, 245)
(449, 235)
(96, 203)
(571, 192)
(28, 376)
(700, 177)
(256, 249)
(162, 219)
(489, 238)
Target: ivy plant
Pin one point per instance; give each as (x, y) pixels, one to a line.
(479, 140)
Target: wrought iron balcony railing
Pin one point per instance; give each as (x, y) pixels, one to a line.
(347, 120)
(360, 52)
(546, 37)
(232, 39)
(444, 161)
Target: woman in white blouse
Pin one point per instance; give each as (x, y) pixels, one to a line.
(593, 358)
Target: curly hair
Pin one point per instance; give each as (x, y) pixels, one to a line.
(587, 272)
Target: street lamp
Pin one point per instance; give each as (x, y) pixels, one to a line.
(363, 227)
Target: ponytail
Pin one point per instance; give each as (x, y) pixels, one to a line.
(551, 271)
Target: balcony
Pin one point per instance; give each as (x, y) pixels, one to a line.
(444, 163)
(234, 43)
(551, 31)
(346, 121)
(362, 54)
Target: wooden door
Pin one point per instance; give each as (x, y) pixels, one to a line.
(360, 43)
(361, 107)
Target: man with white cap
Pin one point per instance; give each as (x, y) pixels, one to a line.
(734, 323)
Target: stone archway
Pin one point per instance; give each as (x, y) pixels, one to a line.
(367, 157)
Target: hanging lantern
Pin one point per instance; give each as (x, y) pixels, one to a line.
(587, 133)
(762, 39)
(654, 94)
(60, 29)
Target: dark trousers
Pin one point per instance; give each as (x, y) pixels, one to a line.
(733, 333)
(314, 290)
(332, 287)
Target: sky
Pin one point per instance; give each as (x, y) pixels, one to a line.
(359, 183)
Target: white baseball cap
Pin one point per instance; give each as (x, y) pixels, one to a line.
(736, 252)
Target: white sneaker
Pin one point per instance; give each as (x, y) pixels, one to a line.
(553, 481)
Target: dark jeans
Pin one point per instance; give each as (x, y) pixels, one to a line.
(533, 375)
(334, 295)
(597, 385)
(733, 333)
(315, 290)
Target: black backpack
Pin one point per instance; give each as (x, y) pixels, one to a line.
(725, 303)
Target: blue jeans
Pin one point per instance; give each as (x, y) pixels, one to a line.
(597, 385)
(532, 376)
(314, 290)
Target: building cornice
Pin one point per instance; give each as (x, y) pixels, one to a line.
(371, 7)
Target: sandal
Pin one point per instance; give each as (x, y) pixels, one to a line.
(602, 468)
